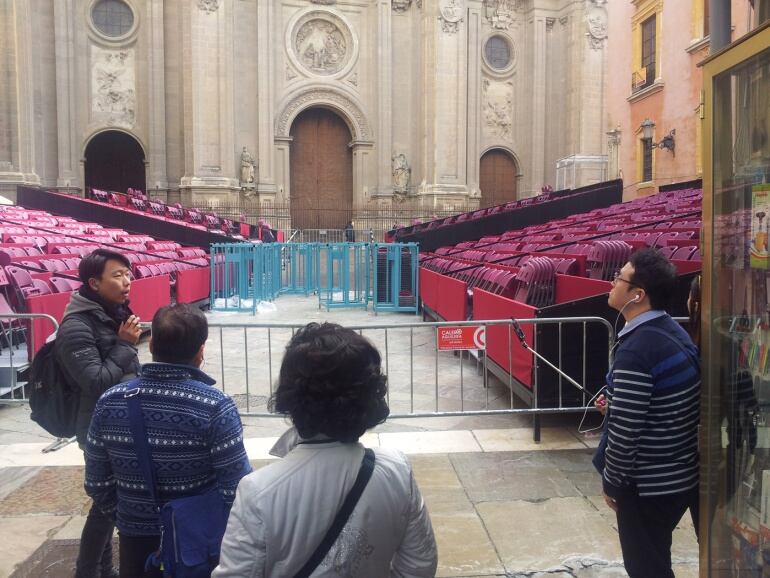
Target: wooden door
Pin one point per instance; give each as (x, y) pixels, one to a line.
(321, 171)
(497, 179)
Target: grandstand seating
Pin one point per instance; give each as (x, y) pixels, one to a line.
(40, 253)
(593, 245)
(136, 201)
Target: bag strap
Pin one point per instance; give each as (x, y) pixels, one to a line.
(141, 445)
(367, 467)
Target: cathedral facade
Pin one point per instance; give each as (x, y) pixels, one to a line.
(338, 102)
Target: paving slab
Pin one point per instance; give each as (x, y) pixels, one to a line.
(431, 442)
(464, 546)
(504, 476)
(520, 439)
(22, 536)
(545, 536)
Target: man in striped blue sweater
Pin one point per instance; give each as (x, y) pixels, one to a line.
(649, 452)
(195, 436)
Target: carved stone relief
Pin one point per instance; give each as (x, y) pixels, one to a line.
(113, 92)
(400, 6)
(208, 6)
(324, 2)
(498, 107)
(290, 73)
(321, 46)
(501, 13)
(353, 79)
(451, 14)
(596, 24)
(360, 125)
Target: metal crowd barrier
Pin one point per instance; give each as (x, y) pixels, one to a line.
(342, 274)
(15, 359)
(428, 375)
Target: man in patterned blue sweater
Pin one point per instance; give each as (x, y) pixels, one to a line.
(194, 430)
(649, 453)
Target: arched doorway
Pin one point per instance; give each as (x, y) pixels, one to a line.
(497, 179)
(115, 162)
(321, 171)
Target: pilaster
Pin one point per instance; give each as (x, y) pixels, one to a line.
(384, 102)
(157, 181)
(66, 105)
(268, 40)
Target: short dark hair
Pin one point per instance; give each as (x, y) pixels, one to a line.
(331, 383)
(178, 331)
(92, 265)
(654, 273)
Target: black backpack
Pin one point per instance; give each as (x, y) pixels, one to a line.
(53, 401)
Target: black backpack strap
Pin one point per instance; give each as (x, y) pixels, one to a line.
(367, 467)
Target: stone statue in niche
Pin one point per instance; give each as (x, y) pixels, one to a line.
(402, 174)
(321, 46)
(451, 15)
(498, 107)
(248, 168)
(596, 23)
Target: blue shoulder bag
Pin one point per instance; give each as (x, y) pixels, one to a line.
(191, 528)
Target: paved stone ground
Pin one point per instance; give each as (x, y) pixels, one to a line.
(501, 505)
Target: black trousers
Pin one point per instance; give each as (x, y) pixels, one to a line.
(646, 526)
(134, 551)
(95, 552)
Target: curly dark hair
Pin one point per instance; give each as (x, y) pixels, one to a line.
(331, 383)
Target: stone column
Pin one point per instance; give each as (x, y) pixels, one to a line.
(269, 38)
(67, 102)
(539, 59)
(445, 108)
(283, 168)
(157, 179)
(384, 103)
(209, 121)
(473, 154)
(362, 155)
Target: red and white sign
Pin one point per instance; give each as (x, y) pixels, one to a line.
(461, 337)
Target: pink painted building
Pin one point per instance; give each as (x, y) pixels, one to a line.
(654, 47)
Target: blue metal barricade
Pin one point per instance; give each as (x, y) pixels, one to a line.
(243, 274)
(395, 277)
(299, 274)
(344, 275)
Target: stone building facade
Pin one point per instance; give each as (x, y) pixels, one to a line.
(365, 102)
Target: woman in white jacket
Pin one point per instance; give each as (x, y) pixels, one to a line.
(332, 386)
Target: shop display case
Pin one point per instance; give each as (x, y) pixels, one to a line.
(735, 424)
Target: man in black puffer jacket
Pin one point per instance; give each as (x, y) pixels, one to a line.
(96, 349)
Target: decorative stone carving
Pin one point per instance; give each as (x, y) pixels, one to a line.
(208, 6)
(248, 169)
(400, 6)
(359, 125)
(324, 2)
(451, 14)
(498, 107)
(353, 79)
(321, 46)
(402, 174)
(563, 20)
(596, 24)
(549, 22)
(113, 93)
(290, 73)
(501, 13)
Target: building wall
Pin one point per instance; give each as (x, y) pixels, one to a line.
(196, 81)
(674, 102)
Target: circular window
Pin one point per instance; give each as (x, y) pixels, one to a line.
(497, 52)
(112, 18)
